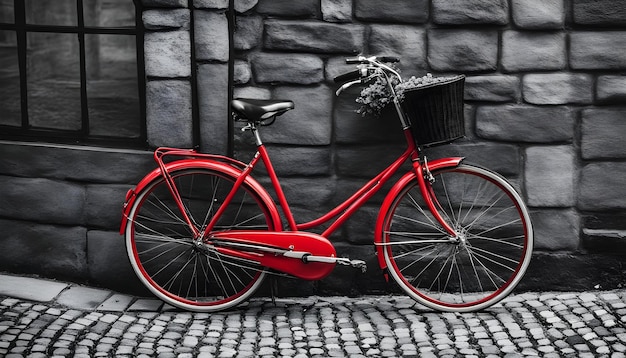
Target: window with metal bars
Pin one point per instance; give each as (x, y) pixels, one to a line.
(72, 71)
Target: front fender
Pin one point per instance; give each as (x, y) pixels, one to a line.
(225, 168)
(438, 164)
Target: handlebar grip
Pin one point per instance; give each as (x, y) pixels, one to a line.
(353, 61)
(350, 76)
(389, 59)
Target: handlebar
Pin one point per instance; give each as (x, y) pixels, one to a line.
(350, 76)
(368, 68)
(366, 60)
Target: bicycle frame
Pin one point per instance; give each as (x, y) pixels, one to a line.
(250, 241)
(202, 233)
(342, 212)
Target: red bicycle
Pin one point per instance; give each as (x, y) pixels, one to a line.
(202, 234)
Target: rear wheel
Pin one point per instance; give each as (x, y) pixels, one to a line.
(162, 251)
(479, 265)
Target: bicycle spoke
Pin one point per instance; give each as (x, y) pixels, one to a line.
(161, 244)
(477, 267)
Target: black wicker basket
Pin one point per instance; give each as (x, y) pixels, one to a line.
(436, 111)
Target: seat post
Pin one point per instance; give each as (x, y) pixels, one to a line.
(251, 126)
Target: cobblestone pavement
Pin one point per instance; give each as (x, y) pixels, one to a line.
(70, 320)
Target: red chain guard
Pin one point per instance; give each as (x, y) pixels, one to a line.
(285, 240)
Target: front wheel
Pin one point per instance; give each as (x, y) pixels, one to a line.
(476, 267)
(179, 270)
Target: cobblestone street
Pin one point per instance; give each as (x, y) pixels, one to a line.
(552, 324)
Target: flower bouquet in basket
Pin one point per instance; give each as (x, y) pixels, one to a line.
(434, 105)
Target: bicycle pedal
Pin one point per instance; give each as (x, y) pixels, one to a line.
(360, 264)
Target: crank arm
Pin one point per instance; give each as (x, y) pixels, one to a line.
(336, 260)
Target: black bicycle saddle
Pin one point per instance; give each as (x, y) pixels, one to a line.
(256, 110)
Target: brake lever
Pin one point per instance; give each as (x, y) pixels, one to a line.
(346, 85)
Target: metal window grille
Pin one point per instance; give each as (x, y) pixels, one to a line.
(72, 71)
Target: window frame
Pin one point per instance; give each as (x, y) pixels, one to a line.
(21, 29)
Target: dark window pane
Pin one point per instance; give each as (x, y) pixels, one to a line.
(9, 80)
(51, 12)
(109, 13)
(53, 81)
(6, 11)
(112, 88)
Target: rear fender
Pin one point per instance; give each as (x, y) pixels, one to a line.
(228, 169)
(393, 193)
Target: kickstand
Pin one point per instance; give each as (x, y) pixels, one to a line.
(273, 289)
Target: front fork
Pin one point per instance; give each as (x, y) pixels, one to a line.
(425, 179)
(422, 173)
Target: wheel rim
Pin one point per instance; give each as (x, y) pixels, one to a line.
(478, 266)
(180, 271)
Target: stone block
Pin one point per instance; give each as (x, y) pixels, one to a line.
(598, 50)
(167, 54)
(366, 161)
(309, 123)
(177, 19)
(405, 11)
(242, 6)
(602, 133)
(108, 263)
(337, 10)
(214, 109)
(310, 193)
(248, 32)
(538, 14)
(529, 51)
(602, 186)
(336, 66)
(211, 4)
(302, 8)
(611, 89)
(164, 3)
(313, 36)
(556, 229)
(600, 12)
(403, 41)
(359, 228)
(558, 88)
(611, 220)
(47, 250)
(470, 12)
(252, 92)
(242, 73)
(463, 50)
(504, 159)
(550, 176)
(168, 113)
(104, 205)
(352, 128)
(496, 88)
(573, 272)
(288, 68)
(88, 164)
(301, 161)
(211, 36)
(42, 200)
(611, 242)
(521, 123)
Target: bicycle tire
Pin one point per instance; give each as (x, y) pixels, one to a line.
(477, 268)
(161, 250)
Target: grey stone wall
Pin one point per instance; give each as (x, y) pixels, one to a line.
(545, 106)
(61, 210)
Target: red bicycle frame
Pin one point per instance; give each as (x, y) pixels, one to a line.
(342, 212)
